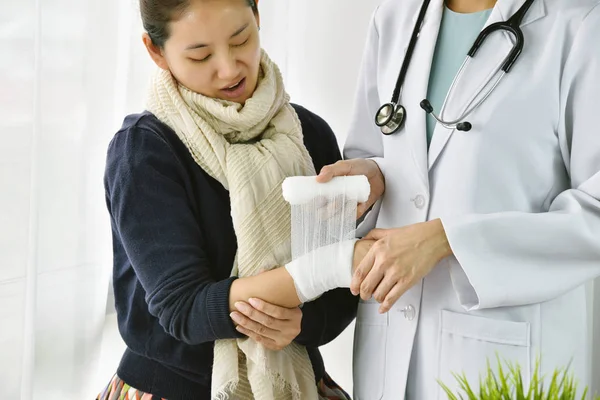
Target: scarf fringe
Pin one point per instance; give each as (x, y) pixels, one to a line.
(224, 392)
(279, 384)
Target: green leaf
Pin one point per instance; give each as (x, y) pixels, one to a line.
(446, 389)
(508, 385)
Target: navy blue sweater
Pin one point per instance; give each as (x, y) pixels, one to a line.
(174, 246)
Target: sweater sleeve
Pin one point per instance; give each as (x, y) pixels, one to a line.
(326, 317)
(153, 220)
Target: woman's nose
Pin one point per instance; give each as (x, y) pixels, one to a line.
(227, 68)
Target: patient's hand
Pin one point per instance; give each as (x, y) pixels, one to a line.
(273, 326)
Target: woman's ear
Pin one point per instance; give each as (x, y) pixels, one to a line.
(155, 52)
(257, 15)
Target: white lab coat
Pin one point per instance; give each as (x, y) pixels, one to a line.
(518, 195)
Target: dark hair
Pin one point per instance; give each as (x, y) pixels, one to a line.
(157, 14)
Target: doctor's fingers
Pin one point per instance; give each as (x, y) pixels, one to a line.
(340, 168)
(392, 297)
(357, 166)
(382, 278)
(372, 281)
(389, 280)
(362, 270)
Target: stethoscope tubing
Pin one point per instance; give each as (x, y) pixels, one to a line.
(393, 121)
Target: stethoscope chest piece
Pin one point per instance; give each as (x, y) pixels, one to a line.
(390, 117)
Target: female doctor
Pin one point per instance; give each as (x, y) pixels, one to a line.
(490, 222)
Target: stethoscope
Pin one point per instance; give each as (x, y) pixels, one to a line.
(391, 116)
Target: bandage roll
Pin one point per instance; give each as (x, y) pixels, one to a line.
(303, 189)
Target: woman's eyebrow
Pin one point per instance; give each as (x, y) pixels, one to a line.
(200, 45)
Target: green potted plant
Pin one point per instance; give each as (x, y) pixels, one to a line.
(502, 385)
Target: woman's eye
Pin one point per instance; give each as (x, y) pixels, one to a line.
(241, 44)
(201, 60)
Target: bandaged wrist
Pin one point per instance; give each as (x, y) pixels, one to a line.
(323, 269)
(323, 225)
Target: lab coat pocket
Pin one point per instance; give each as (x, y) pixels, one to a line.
(369, 351)
(468, 342)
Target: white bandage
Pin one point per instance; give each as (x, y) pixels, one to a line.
(298, 190)
(322, 270)
(323, 231)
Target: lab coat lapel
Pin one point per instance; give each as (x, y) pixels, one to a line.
(508, 7)
(416, 84)
(479, 70)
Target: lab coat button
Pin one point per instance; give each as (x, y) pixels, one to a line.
(409, 312)
(419, 201)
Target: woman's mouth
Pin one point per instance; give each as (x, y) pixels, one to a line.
(236, 90)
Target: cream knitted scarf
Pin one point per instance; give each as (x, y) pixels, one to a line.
(250, 150)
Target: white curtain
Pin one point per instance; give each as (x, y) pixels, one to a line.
(60, 94)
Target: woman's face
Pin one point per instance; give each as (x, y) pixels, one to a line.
(213, 49)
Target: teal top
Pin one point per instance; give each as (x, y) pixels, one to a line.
(457, 34)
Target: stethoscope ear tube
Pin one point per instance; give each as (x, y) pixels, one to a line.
(501, 26)
(464, 126)
(426, 106)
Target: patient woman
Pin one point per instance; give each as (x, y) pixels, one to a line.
(193, 187)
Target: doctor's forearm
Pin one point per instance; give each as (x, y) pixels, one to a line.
(500, 255)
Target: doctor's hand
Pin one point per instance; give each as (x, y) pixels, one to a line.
(398, 260)
(361, 249)
(272, 326)
(358, 166)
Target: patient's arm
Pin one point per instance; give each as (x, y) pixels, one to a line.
(277, 286)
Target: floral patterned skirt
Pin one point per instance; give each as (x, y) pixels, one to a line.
(119, 390)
